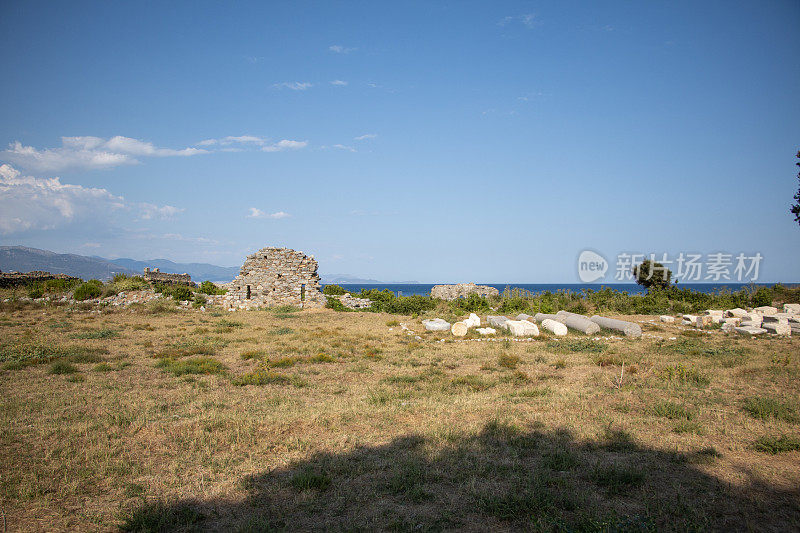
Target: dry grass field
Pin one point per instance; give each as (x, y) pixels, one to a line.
(155, 420)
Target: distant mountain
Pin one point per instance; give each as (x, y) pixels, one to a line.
(328, 279)
(198, 271)
(23, 259)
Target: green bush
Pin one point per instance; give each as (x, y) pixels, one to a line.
(472, 304)
(91, 289)
(179, 292)
(209, 288)
(334, 290)
(35, 290)
(199, 301)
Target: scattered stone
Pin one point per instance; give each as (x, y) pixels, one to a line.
(766, 310)
(497, 321)
(667, 319)
(749, 330)
(473, 321)
(733, 321)
(545, 316)
(462, 290)
(557, 328)
(523, 316)
(486, 331)
(714, 312)
(737, 312)
(351, 302)
(755, 318)
(436, 324)
(703, 321)
(523, 328)
(459, 329)
(778, 318)
(777, 328)
(578, 322)
(792, 309)
(628, 328)
(727, 327)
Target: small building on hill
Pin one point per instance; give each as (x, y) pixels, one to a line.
(276, 276)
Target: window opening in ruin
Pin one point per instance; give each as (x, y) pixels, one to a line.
(248, 292)
(303, 292)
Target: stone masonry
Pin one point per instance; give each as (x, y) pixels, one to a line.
(462, 290)
(276, 276)
(156, 276)
(15, 279)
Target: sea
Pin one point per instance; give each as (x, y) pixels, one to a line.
(410, 289)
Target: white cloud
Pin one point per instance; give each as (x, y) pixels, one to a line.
(30, 203)
(343, 147)
(258, 213)
(285, 144)
(152, 211)
(293, 85)
(339, 83)
(365, 137)
(235, 139)
(528, 20)
(339, 49)
(88, 153)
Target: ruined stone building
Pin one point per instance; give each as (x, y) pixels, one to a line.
(276, 276)
(462, 290)
(156, 276)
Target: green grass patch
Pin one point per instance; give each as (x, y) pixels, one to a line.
(471, 382)
(774, 445)
(62, 367)
(765, 408)
(307, 479)
(97, 334)
(671, 410)
(508, 361)
(196, 365)
(261, 377)
(616, 479)
(577, 346)
(685, 375)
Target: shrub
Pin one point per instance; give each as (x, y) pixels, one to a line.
(471, 304)
(199, 301)
(336, 305)
(62, 367)
(209, 288)
(334, 290)
(88, 290)
(35, 290)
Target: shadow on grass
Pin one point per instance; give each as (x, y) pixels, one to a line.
(501, 478)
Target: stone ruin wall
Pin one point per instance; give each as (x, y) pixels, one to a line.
(156, 276)
(277, 276)
(15, 279)
(462, 290)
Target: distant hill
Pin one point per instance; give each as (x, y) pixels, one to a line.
(328, 279)
(198, 271)
(23, 259)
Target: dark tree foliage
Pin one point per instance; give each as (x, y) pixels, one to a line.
(796, 207)
(652, 275)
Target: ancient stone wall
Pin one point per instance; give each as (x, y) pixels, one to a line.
(276, 276)
(15, 279)
(462, 290)
(156, 276)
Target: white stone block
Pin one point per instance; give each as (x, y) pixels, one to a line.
(459, 329)
(766, 310)
(436, 324)
(749, 330)
(792, 309)
(667, 319)
(523, 328)
(557, 328)
(736, 312)
(497, 321)
(486, 331)
(777, 328)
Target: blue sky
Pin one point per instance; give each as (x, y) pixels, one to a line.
(430, 141)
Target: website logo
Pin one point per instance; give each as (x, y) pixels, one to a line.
(591, 266)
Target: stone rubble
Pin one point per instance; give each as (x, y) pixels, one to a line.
(462, 290)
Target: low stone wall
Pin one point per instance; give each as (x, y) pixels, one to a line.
(156, 276)
(462, 290)
(16, 279)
